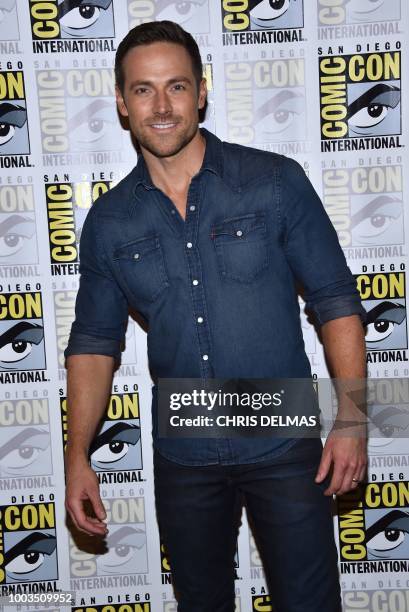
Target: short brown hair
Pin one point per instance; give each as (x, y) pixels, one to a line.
(157, 31)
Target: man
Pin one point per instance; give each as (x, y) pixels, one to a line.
(205, 239)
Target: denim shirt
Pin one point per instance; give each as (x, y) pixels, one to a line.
(217, 289)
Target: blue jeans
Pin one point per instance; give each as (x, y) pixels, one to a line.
(199, 512)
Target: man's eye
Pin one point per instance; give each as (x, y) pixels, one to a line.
(388, 539)
(379, 330)
(81, 17)
(6, 132)
(369, 116)
(15, 351)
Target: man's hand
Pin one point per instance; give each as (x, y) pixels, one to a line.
(83, 486)
(348, 459)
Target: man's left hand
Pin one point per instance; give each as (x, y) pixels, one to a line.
(347, 456)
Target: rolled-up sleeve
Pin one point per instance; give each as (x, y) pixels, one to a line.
(101, 310)
(313, 251)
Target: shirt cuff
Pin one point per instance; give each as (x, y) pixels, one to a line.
(84, 344)
(336, 307)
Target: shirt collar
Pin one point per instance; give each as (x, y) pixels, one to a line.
(213, 161)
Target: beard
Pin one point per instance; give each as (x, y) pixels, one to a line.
(166, 145)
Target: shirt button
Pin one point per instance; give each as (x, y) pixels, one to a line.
(192, 208)
(189, 245)
(195, 282)
(205, 357)
(200, 319)
(239, 233)
(173, 212)
(136, 256)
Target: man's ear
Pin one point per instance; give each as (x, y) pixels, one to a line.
(120, 102)
(202, 94)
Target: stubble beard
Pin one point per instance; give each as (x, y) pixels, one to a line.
(166, 145)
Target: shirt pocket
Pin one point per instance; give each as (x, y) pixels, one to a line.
(141, 266)
(241, 247)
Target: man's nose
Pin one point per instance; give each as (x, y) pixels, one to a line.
(162, 103)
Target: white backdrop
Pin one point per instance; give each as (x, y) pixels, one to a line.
(318, 80)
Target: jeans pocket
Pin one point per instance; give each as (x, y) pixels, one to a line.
(142, 267)
(241, 247)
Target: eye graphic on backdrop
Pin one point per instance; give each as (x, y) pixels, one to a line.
(372, 10)
(179, 11)
(382, 320)
(127, 550)
(14, 233)
(23, 450)
(280, 112)
(372, 108)
(24, 558)
(112, 445)
(17, 342)
(264, 14)
(386, 424)
(388, 538)
(78, 16)
(93, 125)
(6, 6)
(379, 221)
(12, 117)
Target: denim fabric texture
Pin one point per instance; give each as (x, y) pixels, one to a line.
(218, 289)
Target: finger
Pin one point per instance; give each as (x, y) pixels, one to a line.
(324, 466)
(83, 521)
(74, 521)
(348, 483)
(97, 504)
(336, 480)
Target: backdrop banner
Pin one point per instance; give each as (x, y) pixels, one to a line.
(316, 80)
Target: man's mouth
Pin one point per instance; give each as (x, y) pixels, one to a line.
(163, 126)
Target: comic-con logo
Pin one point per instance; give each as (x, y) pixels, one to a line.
(261, 602)
(21, 332)
(117, 444)
(265, 101)
(14, 137)
(9, 20)
(262, 21)
(388, 416)
(373, 527)
(383, 297)
(365, 205)
(67, 207)
(25, 444)
(66, 23)
(28, 543)
(64, 314)
(77, 111)
(112, 607)
(360, 12)
(18, 239)
(360, 97)
(124, 551)
(192, 15)
(379, 599)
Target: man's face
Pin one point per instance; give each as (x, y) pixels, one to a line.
(161, 97)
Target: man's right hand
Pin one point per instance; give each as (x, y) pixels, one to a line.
(82, 486)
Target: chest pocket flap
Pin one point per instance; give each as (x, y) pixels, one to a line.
(142, 267)
(241, 247)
